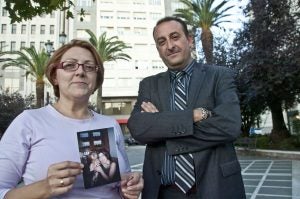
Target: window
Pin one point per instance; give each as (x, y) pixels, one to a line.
(123, 30)
(4, 12)
(154, 2)
(139, 16)
(42, 45)
(23, 29)
(124, 82)
(106, 1)
(51, 30)
(124, 2)
(106, 15)
(106, 29)
(12, 85)
(32, 44)
(3, 28)
(123, 15)
(140, 47)
(138, 2)
(109, 83)
(157, 64)
(84, 3)
(23, 44)
(155, 16)
(117, 108)
(13, 28)
(140, 31)
(33, 27)
(42, 30)
(141, 64)
(13, 46)
(2, 46)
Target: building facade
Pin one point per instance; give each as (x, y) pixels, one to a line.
(131, 20)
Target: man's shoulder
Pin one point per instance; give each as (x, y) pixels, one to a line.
(156, 76)
(212, 68)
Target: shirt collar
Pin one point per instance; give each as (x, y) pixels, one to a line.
(187, 70)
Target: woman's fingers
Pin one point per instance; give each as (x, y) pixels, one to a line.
(61, 176)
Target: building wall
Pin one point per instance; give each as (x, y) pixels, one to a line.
(131, 20)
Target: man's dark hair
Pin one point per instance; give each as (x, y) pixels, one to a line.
(169, 18)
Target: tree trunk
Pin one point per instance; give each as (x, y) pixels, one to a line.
(39, 90)
(279, 130)
(99, 100)
(207, 45)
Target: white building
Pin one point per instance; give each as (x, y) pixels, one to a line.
(131, 20)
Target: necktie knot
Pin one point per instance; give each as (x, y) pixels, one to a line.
(179, 75)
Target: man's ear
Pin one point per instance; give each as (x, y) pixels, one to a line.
(191, 41)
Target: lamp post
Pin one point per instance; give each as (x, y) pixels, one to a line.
(49, 47)
(62, 38)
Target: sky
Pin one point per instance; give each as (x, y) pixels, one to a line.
(236, 18)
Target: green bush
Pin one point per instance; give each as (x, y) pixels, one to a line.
(262, 141)
(11, 105)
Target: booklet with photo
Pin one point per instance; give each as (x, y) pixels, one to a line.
(98, 153)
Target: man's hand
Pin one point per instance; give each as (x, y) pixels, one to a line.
(149, 107)
(131, 185)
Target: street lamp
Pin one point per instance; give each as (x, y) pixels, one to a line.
(49, 47)
(62, 38)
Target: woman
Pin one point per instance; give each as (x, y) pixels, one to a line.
(107, 167)
(95, 162)
(41, 146)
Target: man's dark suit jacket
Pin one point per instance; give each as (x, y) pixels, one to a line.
(217, 170)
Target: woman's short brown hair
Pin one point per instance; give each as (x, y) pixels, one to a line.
(56, 58)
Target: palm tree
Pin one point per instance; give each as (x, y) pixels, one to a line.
(34, 63)
(201, 14)
(110, 49)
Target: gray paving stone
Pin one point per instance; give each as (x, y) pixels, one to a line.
(272, 197)
(280, 171)
(255, 171)
(246, 177)
(251, 182)
(276, 191)
(249, 189)
(278, 183)
(279, 177)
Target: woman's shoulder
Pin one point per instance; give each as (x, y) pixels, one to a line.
(29, 114)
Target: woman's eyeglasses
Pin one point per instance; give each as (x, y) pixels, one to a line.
(73, 66)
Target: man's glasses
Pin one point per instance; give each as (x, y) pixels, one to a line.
(73, 66)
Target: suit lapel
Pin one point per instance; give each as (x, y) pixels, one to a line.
(164, 90)
(196, 84)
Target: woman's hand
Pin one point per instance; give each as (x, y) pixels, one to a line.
(59, 180)
(132, 185)
(61, 177)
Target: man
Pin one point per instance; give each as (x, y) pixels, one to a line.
(189, 121)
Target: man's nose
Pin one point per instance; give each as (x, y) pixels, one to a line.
(170, 44)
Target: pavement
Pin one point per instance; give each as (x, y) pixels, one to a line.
(267, 174)
(270, 174)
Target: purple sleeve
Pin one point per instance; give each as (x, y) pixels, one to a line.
(123, 159)
(14, 150)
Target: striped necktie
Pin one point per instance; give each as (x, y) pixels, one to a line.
(184, 163)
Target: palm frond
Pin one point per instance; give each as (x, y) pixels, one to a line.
(109, 48)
